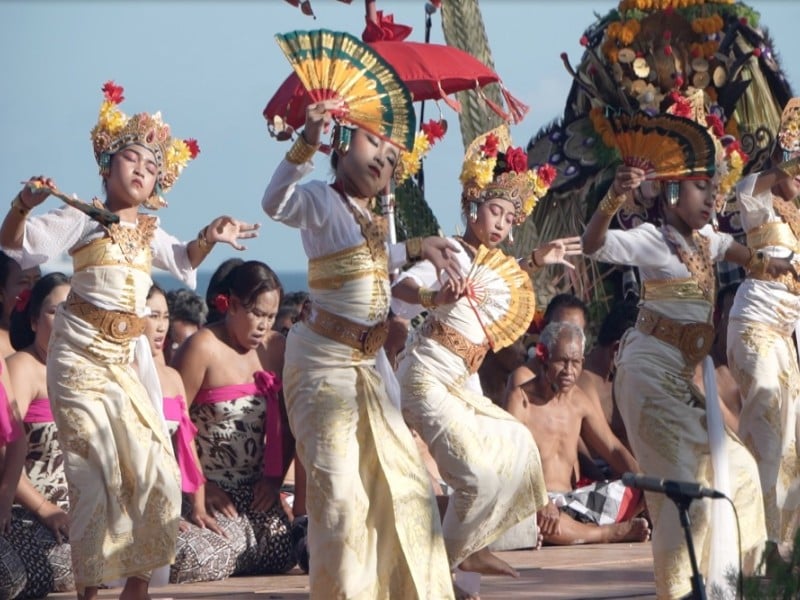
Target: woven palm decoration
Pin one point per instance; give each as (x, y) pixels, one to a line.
(666, 146)
(336, 65)
(501, 294)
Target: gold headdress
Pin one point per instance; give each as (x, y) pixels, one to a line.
(115, 130)
(489, 172)
(409, 163)
(789, 132)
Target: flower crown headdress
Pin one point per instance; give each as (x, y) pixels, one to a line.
(789, 132)
(115, 130)
(409, 163)
(488, 172)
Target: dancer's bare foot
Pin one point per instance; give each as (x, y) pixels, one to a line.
(635, 530)
(463, 595)
(539, 541)
(486, 563)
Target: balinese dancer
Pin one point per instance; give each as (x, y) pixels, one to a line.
(675, 430)
(121, 471)
(484, 454)
(374, 529)
(762, 356)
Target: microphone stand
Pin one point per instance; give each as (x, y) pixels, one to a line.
(682, 502)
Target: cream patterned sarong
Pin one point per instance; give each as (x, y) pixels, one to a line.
(374, 530)
(122, 475)
(485, 455)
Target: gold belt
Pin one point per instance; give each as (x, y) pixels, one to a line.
(116, 325)
(694, 340)
(472, 354)
(366, 339)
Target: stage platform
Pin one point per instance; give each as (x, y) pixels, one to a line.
(618, 571)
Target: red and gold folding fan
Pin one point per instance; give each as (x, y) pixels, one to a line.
(501, 294)
(336, 65)
(664, 145)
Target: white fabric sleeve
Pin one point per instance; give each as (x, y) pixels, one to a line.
(172, 255)
(301, 206)
(720, 242)
(49, 235)
(639, 247)
(424, 274)
(754, 209)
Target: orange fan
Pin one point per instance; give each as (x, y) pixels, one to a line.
(337, 65)
(666, 146)
(501, 294)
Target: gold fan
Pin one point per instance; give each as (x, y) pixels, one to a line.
(501, 294)
(336, 65)
(666, 146)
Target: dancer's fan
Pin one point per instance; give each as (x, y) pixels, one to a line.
(336, 65)
(664, 145)
(501, 294)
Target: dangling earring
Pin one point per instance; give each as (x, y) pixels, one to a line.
(673, 191)
(342, 136)
(473, 212)
(786, 155)
(510, 236)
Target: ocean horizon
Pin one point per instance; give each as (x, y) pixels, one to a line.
(292, 281)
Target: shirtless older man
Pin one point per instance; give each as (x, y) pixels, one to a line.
(557, 413)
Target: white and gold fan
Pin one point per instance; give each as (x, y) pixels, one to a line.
(501, 294)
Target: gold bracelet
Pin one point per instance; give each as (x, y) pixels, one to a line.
(757, 265)
(414, 249)
(611, 202)
(203, 245)
(301, 151)
(427, 297)
(18, 205)
(791, 167)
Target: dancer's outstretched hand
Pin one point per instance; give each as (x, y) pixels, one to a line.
(557, 251)
(229, 230)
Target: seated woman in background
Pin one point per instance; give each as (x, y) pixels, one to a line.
(231, 372)
(40, 525)
(206, 550)
(13, 281)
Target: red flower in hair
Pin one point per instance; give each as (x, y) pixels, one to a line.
(668, 50)
(517, 160)
(433, 130)
(541, 352)
(756, 52)
(715, 123)
(537, 324)
(547, 173)
(113, 92)
(21, 301)
(221, 303)
(489, 146)
(194, 147)
(584, 41)
(681, 106)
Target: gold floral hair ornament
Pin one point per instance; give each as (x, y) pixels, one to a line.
(789, 132)
(489, 172)
(409, 163)
(115, 130)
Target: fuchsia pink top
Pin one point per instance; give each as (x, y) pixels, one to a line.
(268, 385)
(39, 411)
(191, 474)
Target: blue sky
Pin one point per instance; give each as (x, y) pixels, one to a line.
(210, 67)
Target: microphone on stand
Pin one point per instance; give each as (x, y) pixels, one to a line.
(671, 488)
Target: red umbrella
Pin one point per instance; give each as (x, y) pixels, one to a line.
(430, 71)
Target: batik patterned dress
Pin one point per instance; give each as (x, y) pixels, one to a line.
(230, 443)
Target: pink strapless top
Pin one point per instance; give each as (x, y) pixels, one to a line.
(39, 411)
(191, 473)
(268, 385)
